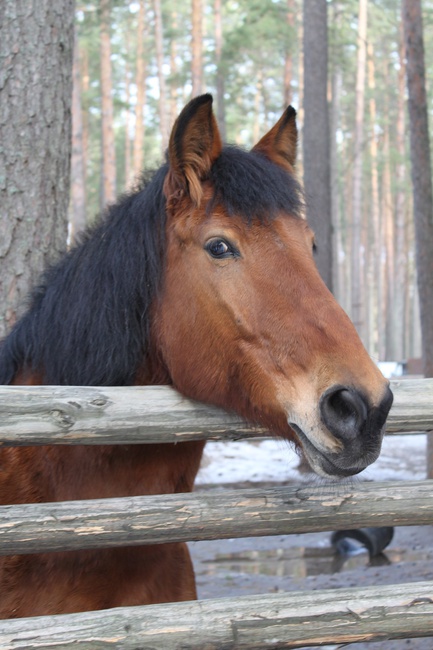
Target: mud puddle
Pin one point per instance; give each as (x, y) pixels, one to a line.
(305, 562)
(301, 562)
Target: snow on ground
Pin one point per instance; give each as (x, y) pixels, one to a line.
(402, 458)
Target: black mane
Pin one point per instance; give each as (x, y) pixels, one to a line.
(88, 320)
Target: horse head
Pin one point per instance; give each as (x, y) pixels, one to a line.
(243, 319)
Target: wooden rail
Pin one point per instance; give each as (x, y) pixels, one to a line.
(84, 415)
(39, 415)
(208, 515)
(274, 621)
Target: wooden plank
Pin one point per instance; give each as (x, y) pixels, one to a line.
(39, 415)
(211, 515)
(273, 621)
(412, 409)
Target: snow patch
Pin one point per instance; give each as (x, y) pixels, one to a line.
(403, 457)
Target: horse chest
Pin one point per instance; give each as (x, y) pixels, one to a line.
(86, 472)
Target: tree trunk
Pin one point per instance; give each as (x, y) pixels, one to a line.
(401, 271)
(197, 48)
(162, 105)
(421, 181)
(316, 141)
(36, 50)
(300, 116)
(257, 102)
(173, 71)
(108, 194)
(288, 59)
(357, 253)
(127, 149)
(140, 82)
(374, 283)
(412, 317)
(77, 205)
(221, 117)
(85, 85)
(388, 246)
(334, 123)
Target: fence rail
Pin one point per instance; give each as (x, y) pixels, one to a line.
(274, 621)
(208, 515)
(49, 415)
(85, 415)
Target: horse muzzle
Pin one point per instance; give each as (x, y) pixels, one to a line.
(354, 432)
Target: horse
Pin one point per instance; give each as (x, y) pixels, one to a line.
(202, 278)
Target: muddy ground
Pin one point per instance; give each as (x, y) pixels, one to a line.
(264, 565)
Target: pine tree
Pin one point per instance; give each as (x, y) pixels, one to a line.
(35, 136)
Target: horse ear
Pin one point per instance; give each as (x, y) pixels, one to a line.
(280, 143)
(194, 144)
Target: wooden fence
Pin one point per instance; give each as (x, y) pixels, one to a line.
(76, 415)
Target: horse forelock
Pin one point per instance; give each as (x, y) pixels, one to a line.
(248, 185)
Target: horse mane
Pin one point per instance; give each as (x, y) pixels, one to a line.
(88, 322)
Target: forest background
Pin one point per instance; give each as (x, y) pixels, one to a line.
(137, 63)
(341, 64)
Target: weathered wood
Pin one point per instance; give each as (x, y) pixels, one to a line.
(292, 620)
(412, 409)
(211, 515)
(109, 415)
(87, 415)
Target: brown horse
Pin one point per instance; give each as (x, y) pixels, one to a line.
(203, 279)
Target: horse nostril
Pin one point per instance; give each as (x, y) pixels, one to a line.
(344, 412)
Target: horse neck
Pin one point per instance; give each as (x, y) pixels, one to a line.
(152, 372)
(95, 472)
(91, 472)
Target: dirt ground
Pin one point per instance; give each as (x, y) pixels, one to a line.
(263, 565)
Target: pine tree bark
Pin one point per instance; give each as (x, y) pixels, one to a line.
(173, 71)
(421, 182)
(316, 142)
(421, 172)
(85, 86)
(140, 82)
(388, 245)
(300, 116)
(220, 86)
(288, 57)
(197, 47)
(374, 257)
(257, 102)
(36, 50)
(357, 312)
(108, 194)
(77, 205)
(162, 105)
(401, 270)
(340, 278)
(127, 149)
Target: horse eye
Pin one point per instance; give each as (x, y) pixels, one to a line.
(219, 249)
